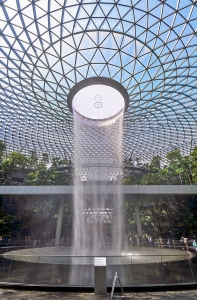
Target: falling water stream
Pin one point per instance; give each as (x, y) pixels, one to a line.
(98, 163)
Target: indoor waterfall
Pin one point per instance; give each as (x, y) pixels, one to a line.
(98, 163)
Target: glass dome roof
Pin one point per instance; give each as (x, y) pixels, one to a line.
(149, 46)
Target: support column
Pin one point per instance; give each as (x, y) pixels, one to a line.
(138, 220)
(59, 223)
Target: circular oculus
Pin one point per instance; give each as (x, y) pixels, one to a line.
(98, 102)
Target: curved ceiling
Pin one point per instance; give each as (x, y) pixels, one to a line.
(149, 46)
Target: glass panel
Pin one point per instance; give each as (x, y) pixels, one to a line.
(53, 270)
(4, 268)
(178, 271)
(193, 263)
(23, 269)
(81, 271)
(147, 270)
(121, 265)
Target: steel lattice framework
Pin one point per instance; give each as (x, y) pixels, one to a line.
(149, 46)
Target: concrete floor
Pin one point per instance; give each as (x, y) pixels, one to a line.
(12, 294)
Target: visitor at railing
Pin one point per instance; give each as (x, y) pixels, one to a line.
(194, 244)
(185, 240)
(150, 241)
(184, 243)
(160, 242)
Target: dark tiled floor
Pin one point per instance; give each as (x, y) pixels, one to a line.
(12, 294)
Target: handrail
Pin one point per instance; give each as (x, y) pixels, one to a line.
(107, 256)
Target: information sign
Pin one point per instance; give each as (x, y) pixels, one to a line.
(100, 261)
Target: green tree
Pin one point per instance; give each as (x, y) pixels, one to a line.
(32, 160)
(14, 162)
(47, 173)
(126, 181)
(6, 222)
(2, 149)
(193, 165)
(155, 163)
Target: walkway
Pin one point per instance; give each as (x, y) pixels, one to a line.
(10, 294)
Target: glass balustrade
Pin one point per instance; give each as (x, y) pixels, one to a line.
(133, 270)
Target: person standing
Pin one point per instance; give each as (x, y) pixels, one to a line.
(174, 243)
(194, 244)
(160, 242)
(150, 241)
(185, 240)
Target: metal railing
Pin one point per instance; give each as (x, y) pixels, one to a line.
(66, 242)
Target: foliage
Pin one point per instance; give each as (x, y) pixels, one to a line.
(32, 160)
(193, 165)
(43, 171)
(2, 149)
(166, 216)
(178, 170)
(37, 217)
(34, 216)
(48, 175)
(35, 170)
(155, 163)
(126, 181)
(6, 222)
